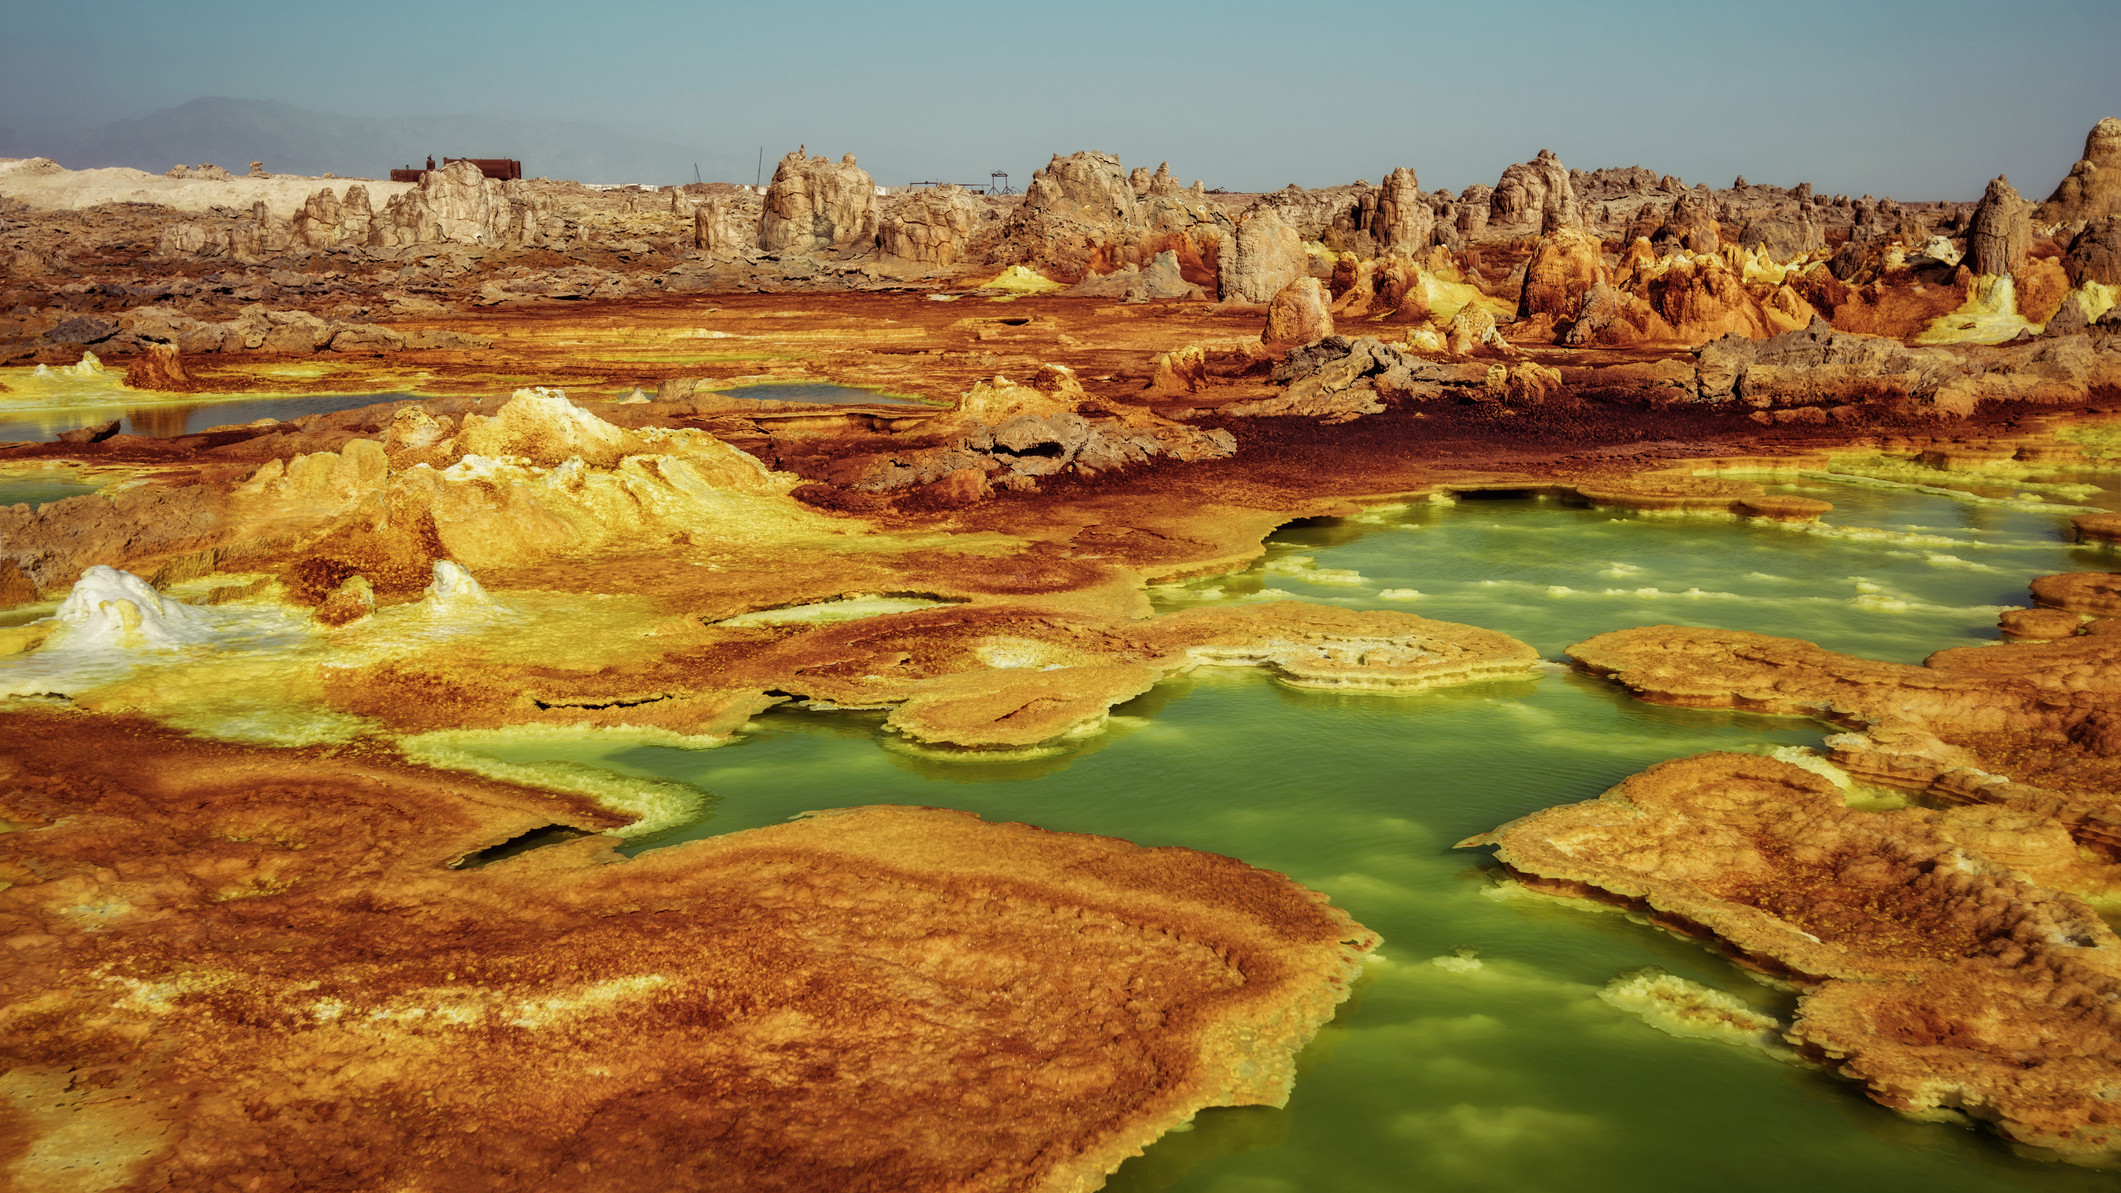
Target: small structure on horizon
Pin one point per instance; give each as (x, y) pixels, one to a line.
(997, 184)
(502, 168)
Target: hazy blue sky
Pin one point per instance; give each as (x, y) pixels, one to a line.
(1919, 100)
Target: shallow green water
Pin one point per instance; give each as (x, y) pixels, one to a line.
(41, 491)
(44, 420)
(1510, 1075)
(1893, 574)
(168, 418)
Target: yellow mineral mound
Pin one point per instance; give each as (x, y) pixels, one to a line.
(542, 427)
(1446, 292)
(1022, 279)
(1053, 389)
(1428, 294)
(311, 486)
(539, 479)
(1700, 296)
(1759, 266)
(1988, 316)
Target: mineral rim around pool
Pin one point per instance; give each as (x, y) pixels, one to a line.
(258, 969)
(1946, 956)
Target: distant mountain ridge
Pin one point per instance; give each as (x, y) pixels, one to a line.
(232, 133)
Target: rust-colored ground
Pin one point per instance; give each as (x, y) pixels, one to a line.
(1941, 979)
(253, 967)
(1945, 956)
(243, 968)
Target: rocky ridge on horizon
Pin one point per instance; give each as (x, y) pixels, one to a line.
(1612, 257)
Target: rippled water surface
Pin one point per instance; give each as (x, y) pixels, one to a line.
(817, 391)
(1510, 1074)
(44, 420)
(166, 418)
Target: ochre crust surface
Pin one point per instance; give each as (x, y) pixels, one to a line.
(244, 968)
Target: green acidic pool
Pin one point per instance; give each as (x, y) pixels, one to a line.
(40, 491)
(1509, 1074)
(168, 417)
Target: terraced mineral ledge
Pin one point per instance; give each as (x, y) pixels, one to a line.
(1946, 956)
(322, 500)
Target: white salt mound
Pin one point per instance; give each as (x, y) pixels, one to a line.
(454, 589)
(113, 610)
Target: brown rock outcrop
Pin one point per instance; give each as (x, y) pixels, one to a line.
(727, 223)
(1474, 207)
(253, 240)
(93, 433)
(1346, 213)
(815, 205)
(1564, 265)
(1082, 216)
(1537, 195)
(1690, 225)
(159, 368)
(2095, 253)
(1386, 286)
(1016, 433)
(2098, 528)
(1471, 329)
(1071, 207)
(1405, 224)
(1819, 361)
(1161, 184)
(2038, 625)
(258, 329)
(1298, 313)
(2001, 231)
(1786, 233)
(930, 227)
(1337, 379)
(2095, 594)
(2093, 188)
(255, 1017)
(1524, 384)
(1178, 372)
(15, 587)
(326, 221)
(1684, 298)
(1163, 277)
(1087, 185)
(1260, 258)
(460, 205)
(352, 600)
